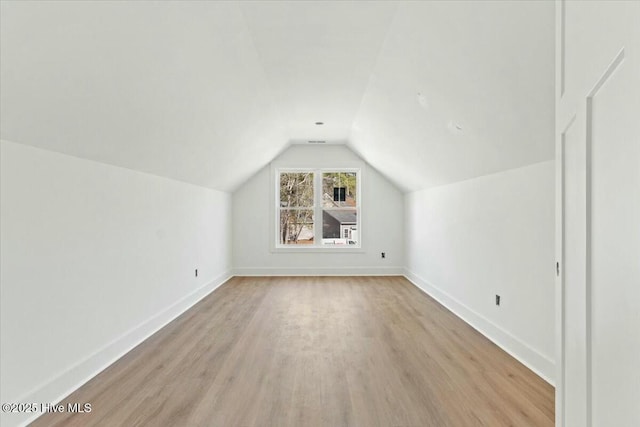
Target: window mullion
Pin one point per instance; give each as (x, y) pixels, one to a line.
(317, 202)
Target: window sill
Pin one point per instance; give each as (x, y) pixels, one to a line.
(318, 249)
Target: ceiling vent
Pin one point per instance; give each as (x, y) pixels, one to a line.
(317, 142)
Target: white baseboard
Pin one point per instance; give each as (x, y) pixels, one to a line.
(319, 271)
(537, 362)
(65, 383)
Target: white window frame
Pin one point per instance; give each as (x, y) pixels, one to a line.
(317, 246)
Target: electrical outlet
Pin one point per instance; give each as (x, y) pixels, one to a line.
(196, 272)
(383, 254)
(497, 299)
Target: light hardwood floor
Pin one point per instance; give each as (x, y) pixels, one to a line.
(314, 351)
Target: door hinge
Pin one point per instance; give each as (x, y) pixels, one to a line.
(557, 268)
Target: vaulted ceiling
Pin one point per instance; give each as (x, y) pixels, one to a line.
(428, 93)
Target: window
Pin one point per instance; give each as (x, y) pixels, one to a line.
(340, 212)
(296, 208)
(318, 208)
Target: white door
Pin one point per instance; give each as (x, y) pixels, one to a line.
(598, 213)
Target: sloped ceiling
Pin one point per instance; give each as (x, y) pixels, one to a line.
(171, 88)
(209, 92)
(485, 75)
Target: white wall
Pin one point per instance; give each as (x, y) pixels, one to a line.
(94, 259)
(468, 241)
(381, 215)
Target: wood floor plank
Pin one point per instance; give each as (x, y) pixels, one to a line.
(314, 351)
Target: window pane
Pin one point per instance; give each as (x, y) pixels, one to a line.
(296, 227)
(296, 189)
(339, 227)
(339, 189)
